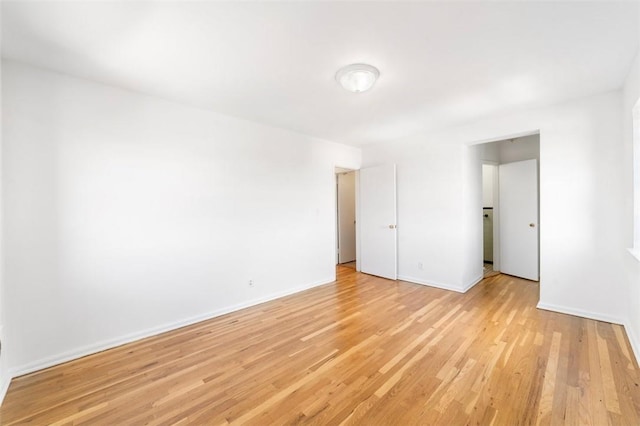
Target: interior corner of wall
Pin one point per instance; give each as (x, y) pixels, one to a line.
(633, 341)
(5, 381)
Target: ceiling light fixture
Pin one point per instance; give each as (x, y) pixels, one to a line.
(357, 77)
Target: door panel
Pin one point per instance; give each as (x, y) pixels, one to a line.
(346, 217)
(519, 219)
(378, 239)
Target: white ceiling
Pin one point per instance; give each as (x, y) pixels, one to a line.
(274, 63)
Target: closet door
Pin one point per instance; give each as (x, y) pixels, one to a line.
(378, 239)
(519, 219)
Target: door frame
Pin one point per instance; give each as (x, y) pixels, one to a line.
(335, 209)
(496, 213)
(515, 135)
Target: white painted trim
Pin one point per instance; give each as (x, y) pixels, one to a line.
(579, 313)
(132, 337)
(635, 345)
(5, 381)
(473, 282)
(437, 284)
(430, 283)
(358, 220)
(5, 377)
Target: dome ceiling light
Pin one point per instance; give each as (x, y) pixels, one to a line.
(357, 77)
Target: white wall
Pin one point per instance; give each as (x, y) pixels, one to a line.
(487, 184)
(582, 231)
(4, 373)
(525, 148)
(510, 150)
(432, 226)
(472, 223)
(126, 215)
(631, 95)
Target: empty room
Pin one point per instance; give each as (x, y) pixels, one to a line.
(320, 212)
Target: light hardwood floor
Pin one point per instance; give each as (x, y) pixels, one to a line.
(363, 350)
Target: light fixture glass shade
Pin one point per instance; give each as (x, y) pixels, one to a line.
(357, 77)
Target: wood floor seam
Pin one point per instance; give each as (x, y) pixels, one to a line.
(363, 350)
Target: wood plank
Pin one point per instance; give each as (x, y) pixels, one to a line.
(363, 350)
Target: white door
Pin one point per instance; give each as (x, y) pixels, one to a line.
(346, 217)
(519, 219)
(378, 221)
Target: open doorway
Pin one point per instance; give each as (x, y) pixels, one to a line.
(490, 228)
(346, 241)
(366, 220)
(510, 194)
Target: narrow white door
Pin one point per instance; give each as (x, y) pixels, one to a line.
(519, 219)
(378, 221)
(346, 217)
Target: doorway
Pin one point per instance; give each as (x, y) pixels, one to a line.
(510, 206)
(369, 234)
(346, 217)
(490, 228)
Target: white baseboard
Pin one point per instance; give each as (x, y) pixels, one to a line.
(473, 282)
(579, 313)
(132, 337)
(5, 381)
(436, 284)
(635, 345)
